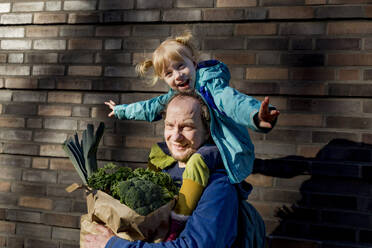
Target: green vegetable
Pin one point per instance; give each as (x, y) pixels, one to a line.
(143, 190)
(143, 196)
(83, 154)
(104, 178)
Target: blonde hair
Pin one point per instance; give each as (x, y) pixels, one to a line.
(172, 49)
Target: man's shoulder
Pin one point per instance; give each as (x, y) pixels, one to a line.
(211, 156)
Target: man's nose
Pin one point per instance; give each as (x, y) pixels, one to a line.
(177, 135)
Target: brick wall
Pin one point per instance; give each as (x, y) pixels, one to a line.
(61, 59)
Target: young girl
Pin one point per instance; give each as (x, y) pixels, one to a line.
(174, 61)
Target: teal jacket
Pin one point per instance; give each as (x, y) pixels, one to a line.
(231, 112)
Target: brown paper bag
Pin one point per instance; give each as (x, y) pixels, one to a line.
(123, 221)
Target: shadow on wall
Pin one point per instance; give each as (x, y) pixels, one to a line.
(336, 204)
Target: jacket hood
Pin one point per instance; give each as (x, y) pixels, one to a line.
(210, 69)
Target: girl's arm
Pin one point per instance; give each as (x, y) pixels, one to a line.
(148, 110)
(241, 108)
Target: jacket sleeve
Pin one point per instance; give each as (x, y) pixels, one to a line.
(148, 110)
(213, 224)
(240, 107)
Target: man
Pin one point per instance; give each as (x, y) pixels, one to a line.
(214, 222)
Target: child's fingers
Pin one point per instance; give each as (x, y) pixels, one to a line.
(111, 114)
(264, 124)
(274, 113)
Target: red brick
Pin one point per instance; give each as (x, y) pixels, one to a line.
(315, 2)
(236, 3)
(267, 73)
(40, 163)
(7, 227)
(338, 44)
(35, 202)
(85, 70)
(260, 180)
(194, 3)
(20, 83)
(161, 4)
(182, 15)
(74, 84)
(31, 242)
(313, 74)
(42, 58)
(49, 137)
(223, 14)
(113, 140)
(294, 183)
(141, 142)
(256, 29)
(351, 27)
(54, 110)
(225, 43)
(267, 209)
(62, 220)
(291, 12)
(33, 230)
(280, 195)
(4, 186)
(65, 97)
(116, 4)
(85, 44)
(52, 150)
(302, 28)
(83, 18)
(350, 59)
(236, 58)
(62, 164)
(298, 120)
(141, 15)
(367, 138)
(114, 31)
(348, 1)
(38, 31)
(3, 241)
(47, 18)
(51, 70)
(348, 74)
(368, 10)
(34, 123)
(100, 112)
(12, 122)
(141, 44)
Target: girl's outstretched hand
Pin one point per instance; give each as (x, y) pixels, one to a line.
(98, 240)
(266, 116)
(111, 105)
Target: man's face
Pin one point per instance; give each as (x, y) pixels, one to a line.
(180, 75)
(184, 131)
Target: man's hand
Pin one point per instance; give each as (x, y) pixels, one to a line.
(98, 240)
(111, 105)
(265, 116)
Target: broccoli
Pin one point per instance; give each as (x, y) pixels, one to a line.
(162, 179)
(142, 190)
(105, 178)
(141, 195)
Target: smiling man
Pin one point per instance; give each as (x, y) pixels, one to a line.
(214, 222)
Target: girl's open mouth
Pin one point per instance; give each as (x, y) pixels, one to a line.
(184, 85)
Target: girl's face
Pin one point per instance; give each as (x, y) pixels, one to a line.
(180, 75)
